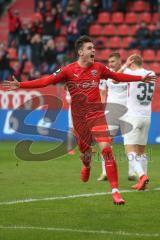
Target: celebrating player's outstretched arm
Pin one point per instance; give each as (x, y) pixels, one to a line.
(11, 85)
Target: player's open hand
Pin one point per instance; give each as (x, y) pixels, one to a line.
(11, 85)
(129, 60)
(149, 78)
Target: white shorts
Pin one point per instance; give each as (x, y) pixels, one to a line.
(70, 122)
(139, 132)
(116, 121)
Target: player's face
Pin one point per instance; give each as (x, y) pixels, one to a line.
(87, 53)
(114, 63)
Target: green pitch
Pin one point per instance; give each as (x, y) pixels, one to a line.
(57, 206)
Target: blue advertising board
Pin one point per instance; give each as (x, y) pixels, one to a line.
(34, 126)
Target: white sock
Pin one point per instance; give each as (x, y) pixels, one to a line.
(132, 156)
(131, 171)
(103, 167)
(144, 162)
(115, 190)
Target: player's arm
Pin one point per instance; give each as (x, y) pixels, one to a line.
(121, 77)
(58, 76)
(103, 90)
(127, 64)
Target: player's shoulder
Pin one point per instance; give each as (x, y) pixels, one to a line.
(100, 65)
(70, 66)
(147, 71)
(128, 71)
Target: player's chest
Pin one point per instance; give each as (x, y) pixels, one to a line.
(84, 75)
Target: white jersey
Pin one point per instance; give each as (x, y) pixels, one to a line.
(117, 92)
(139, 94)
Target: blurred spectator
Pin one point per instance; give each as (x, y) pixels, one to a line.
(14, 26)
(37, 25)
(48, 27)
(50, 55)
(17, 68)
(34, 74)
(143, 35)
(37, 51)
(64, 4)
(107, 5)
(121, 5)
(85, 19)
(39, 6)
(153, 6)
(24, 42)
(61, 49)
(4, 62)
(96, 7)
(73, 32)
(155, 38)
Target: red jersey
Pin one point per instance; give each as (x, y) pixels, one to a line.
(81, 81)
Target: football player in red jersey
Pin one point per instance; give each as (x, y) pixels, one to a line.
(82, 79)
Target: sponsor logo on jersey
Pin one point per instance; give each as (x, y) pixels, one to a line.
(75, 75)
(57, 72)
(94, 72)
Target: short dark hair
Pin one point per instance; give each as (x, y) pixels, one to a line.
(80, 41)
(114, 54)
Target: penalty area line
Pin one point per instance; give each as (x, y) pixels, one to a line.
(85, 195)
(86, 231)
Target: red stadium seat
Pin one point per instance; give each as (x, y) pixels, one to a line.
(103, 18)
(158, 56)
(123, 53)
(145, 17)
(139, 6)
(95, 30)
(134, 51)
(115, 42)
(109, 30)
(133, 30)
(152, 27)
(100, 42)
(117, 18)
(155, 67)
(103, 55)
(149, 55)
(126, 41)
(155, 18)
(123, 30)
(131, 18)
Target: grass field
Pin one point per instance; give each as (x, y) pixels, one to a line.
(57, 205)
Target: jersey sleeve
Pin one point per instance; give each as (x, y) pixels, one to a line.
(59, 76)
(119, 77)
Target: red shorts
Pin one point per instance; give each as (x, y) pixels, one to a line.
(89, 129)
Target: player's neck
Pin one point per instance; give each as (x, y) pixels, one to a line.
(136, 67)
(83, 63)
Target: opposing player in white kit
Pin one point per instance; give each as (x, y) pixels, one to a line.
(139, 97)
(116, 104)
(70, 126)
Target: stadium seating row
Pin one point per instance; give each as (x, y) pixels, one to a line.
(128, 18)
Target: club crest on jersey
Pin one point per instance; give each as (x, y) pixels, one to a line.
(94, 72)
(57, 72)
